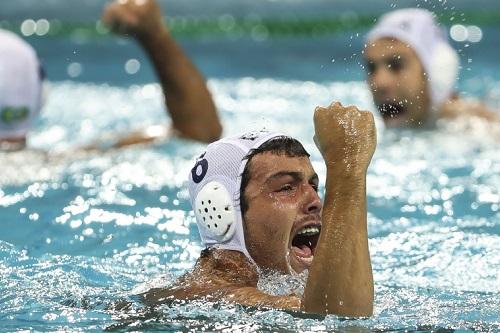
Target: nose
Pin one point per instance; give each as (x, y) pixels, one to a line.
(383, 82)
(312, 202)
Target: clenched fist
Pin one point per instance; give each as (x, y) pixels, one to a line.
(133, 17)
(346, 137)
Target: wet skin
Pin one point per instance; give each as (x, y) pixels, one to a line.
(283, 216)
(398, 83)
(282, 200)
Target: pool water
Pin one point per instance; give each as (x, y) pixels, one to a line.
(82, 231)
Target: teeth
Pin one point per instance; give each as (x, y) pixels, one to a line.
(308, 230)
(307, 261)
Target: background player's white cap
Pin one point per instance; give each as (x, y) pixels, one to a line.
(419, 30)
(20, 86)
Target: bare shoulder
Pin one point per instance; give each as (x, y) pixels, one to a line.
(251, 296)
(221, 276)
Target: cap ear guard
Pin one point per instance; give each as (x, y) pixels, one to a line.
(215, 212)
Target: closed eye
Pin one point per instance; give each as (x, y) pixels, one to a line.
(285, 188)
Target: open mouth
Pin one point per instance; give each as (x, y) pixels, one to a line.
(391, 110)
(304, 244)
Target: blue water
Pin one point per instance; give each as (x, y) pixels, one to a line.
(80, 231)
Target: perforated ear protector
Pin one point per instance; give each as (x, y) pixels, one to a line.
(215, 212)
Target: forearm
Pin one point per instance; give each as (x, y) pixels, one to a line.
(340, 280)
(246, 296)
(250, 296)
(187, 97)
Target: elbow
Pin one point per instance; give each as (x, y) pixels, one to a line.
(206, 134)
(354, 306)
(213, 134)
(359, 307)
(353, 313)
(361, 310)
(364, 311)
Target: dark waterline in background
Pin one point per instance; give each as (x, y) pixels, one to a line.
(91, 9)
(321, 57)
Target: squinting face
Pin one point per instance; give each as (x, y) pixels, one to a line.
(397, 82)
(283, 219)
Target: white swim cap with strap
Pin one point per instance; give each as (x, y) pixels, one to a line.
(20, 86)
(214, 189)
(419, 30)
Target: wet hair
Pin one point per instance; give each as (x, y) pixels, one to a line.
(205, 252)
(280, 145)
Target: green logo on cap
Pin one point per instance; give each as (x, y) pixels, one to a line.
(10, 114)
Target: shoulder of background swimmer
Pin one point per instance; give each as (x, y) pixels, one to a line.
(458, 106)
(150, 134)
(22, 152)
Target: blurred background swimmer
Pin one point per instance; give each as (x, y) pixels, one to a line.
(187, 98)
(21, 81)
(412, 71)
(189, 102)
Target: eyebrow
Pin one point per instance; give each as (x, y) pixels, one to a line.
(294, 174)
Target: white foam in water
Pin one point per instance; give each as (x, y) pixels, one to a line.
(85, 229)
(275, 283)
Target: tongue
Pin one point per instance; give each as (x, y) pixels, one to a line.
(303, 251)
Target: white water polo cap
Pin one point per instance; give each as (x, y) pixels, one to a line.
(20, 86)
(419, 30)
(214, 189)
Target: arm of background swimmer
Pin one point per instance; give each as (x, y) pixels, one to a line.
(187, 97)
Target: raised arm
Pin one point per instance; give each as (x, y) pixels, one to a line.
(340, 279)
(187, 97)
